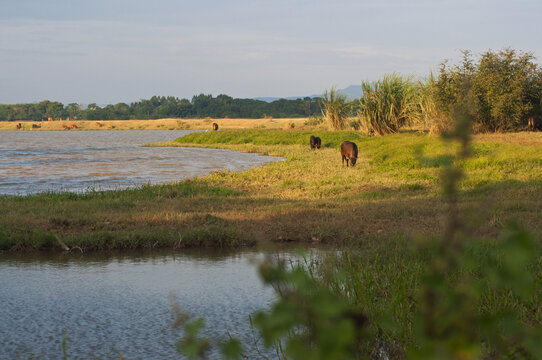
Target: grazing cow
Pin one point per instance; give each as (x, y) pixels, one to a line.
(73, 126)
(535, 123)
(66, 127)
(312, 141)
(36, 126)
(215, 126)
(349, 150)
(19, 126)
(98, 123)
(315, 142)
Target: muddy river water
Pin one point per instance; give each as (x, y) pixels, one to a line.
(37, 161)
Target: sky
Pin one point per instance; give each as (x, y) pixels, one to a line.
(110, 51)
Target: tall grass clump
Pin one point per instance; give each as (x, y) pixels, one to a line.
(335, 109)
(431, 114)
(389, 104)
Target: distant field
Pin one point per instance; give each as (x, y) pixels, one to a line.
(158, 124)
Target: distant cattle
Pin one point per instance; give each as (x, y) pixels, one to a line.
(73, 126)
(215, 126)
(70, 119)
(535, 123)
(349, 150)
(312, 141)
(66, 127)
(315, 142)
(60, 119)
(36, 126)
(49, 119)
(18, 126)
(98, 123)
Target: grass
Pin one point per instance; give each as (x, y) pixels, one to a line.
(393, 191)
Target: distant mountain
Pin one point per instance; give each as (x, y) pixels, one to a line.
(352, 92)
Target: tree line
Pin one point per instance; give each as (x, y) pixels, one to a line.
(158, 107)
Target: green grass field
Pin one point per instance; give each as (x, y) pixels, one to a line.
(394, 190)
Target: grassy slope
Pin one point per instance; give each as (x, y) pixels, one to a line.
(394, 190)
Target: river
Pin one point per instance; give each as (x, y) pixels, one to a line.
(104, 305)
(111, 304)
(77, 161)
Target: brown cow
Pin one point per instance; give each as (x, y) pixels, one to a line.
(98, 123)
(66, 127)
(349, 150)
(535, 123)
(215, 126)
(49, 119)
(70, 119)
(18, 126)
(73, 126)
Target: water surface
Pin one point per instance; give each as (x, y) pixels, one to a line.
(37, 161)
(120, 304)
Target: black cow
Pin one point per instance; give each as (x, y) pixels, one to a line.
(318, 142)
(349, 150)
(312, 141)
(215, 126)
(315, 142)
(535, 123)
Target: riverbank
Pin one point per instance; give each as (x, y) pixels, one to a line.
(394, 190)
(154, 124)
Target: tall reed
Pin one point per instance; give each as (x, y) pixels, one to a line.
(335, 109)
(389, 104)
(431, 114)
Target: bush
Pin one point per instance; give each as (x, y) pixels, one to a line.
(388, 104)
(502, 89)
(335, 109)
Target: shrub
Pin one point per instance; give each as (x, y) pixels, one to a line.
(335, 109)
(314, 120)
(431, 115)
(388, 104)
(502, 89)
